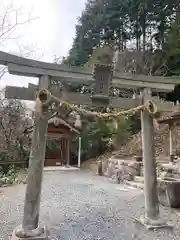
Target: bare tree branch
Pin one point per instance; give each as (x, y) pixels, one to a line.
(13, 114)
(10, 20)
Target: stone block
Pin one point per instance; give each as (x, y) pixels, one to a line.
(44, 236)
(151, 224)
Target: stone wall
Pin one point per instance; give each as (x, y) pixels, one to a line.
(121, 170)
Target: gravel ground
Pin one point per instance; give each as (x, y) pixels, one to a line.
(79, 205)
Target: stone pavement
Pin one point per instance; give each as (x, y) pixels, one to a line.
(77, 205)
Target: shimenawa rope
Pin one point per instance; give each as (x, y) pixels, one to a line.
(45, 97)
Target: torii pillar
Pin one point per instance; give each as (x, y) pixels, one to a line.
(151, 218)
(30, 228)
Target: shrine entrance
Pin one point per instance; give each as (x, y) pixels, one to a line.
(101, 79)
(60, 133)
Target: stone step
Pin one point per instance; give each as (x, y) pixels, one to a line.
(135, 184)
(138, 182)
(139, 179)
(60, 168)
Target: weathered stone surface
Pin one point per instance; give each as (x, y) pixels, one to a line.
(44, 236)
(154, 223)
(122, 170)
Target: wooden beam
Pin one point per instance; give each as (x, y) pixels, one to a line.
(20, 93)
(58, 135)
(27, 67)
(118, 82)
(149, 78)
(164, 106)
(8, 59)
(30, 71)
(31, 85)
(130, 83)
(85, 99)
(81, 77)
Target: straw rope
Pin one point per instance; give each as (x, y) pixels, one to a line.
(45, 97)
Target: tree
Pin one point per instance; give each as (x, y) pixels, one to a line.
(14, 144)
(144, 22)
(146, 33)
(10, 20)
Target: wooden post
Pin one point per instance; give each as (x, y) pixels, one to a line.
(30, 225)
(68, 141)
(149, 162)
(60, 154)
(79, 153)
(170, 143)
(63, 155)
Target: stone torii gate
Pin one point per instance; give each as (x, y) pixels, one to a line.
(103, 77)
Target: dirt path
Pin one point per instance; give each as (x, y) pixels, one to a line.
(78, 205)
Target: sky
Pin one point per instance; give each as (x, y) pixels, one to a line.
(50, 34)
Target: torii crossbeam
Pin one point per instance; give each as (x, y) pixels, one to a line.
(31, 68)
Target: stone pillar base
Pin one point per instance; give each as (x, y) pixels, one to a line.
(153, 223)
(37, 234)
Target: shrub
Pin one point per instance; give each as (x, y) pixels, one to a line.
(10, 177)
